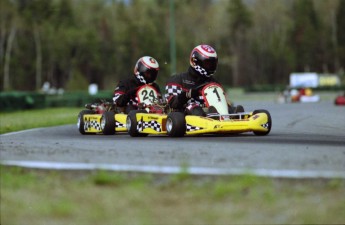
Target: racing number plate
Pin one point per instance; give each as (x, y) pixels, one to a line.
(214, 96)
(147, 94)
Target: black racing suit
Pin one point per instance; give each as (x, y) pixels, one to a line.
(178, 85)
(125, 93)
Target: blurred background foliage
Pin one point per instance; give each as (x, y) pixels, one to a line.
(72, 43)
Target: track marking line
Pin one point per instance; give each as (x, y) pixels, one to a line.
(175, 169)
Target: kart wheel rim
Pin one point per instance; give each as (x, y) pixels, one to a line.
(169, 125)
(128, 123)
(103, 123)
(78, 123)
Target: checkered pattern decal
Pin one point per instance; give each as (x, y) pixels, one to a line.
(119, 125)
(135, 101)
(131, 101)
(193, 103)
(92, 124)
(266, 125)
(151, 124)
(201, 70)
(172, 89)
(140, 78)
(192, 128)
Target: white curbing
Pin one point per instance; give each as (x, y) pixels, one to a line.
(301, 174)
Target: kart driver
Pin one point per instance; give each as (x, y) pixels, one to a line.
(183, 90)
(145, 73)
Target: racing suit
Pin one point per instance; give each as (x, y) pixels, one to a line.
(125, 93)
(178, 87)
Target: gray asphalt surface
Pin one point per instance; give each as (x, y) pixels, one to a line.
(306, 140)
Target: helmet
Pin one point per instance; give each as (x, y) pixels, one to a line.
(146, 69)
(204, 60)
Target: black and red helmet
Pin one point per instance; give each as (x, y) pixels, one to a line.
(146, 69)
(204, 60)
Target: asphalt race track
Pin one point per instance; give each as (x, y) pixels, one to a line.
(306, 140)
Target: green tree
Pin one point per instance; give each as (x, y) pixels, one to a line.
(99, 41)
(305, 36)
(271, 57)
(35, 13)
(240, 21)
(8, 29)
(340, 31)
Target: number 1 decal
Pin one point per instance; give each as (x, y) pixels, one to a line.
(216, 91)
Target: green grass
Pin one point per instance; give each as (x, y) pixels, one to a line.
(21, 120)
(101, 197)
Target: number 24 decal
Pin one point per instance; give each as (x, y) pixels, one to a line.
(148, 94)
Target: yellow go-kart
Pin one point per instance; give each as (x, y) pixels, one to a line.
(106, 118)
(101, 118)
(217, 119)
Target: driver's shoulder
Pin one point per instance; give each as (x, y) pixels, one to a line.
(155, 86)
(177, 78)
(213, 80)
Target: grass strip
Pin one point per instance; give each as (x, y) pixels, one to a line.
(27, 119)
(31, 196)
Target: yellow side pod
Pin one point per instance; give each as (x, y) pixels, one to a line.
(157, 124)
(92, 123)
(202, 125)
(151, 123)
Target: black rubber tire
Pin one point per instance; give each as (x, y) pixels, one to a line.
(197, 111)
(212, 109)
(239, 109)
(81, 122)
(108, 118)
(129, 108)
(260, 133)
(176, 124)
(132, 123)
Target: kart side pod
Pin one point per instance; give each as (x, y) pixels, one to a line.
(176, 124)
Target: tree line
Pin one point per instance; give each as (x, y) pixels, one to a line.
(74, 43)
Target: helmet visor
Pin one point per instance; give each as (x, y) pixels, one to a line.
(150, 75)
(210, 64)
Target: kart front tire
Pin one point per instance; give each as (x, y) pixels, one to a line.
(81, 122)
(132, 123)
(108, 123)
(176, 124)
(269, 122)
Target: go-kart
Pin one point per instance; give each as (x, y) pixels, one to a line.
(217, 119)
(106, 118)
(304, 95)
(101, 118)
(340, 100)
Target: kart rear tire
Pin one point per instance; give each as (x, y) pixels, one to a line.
(108, 123)
(212, 110)
(176, 124)
(269, 122)
(81, 122)
(239, 109)
(132, 123)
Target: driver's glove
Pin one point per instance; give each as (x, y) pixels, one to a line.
(192, 93)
